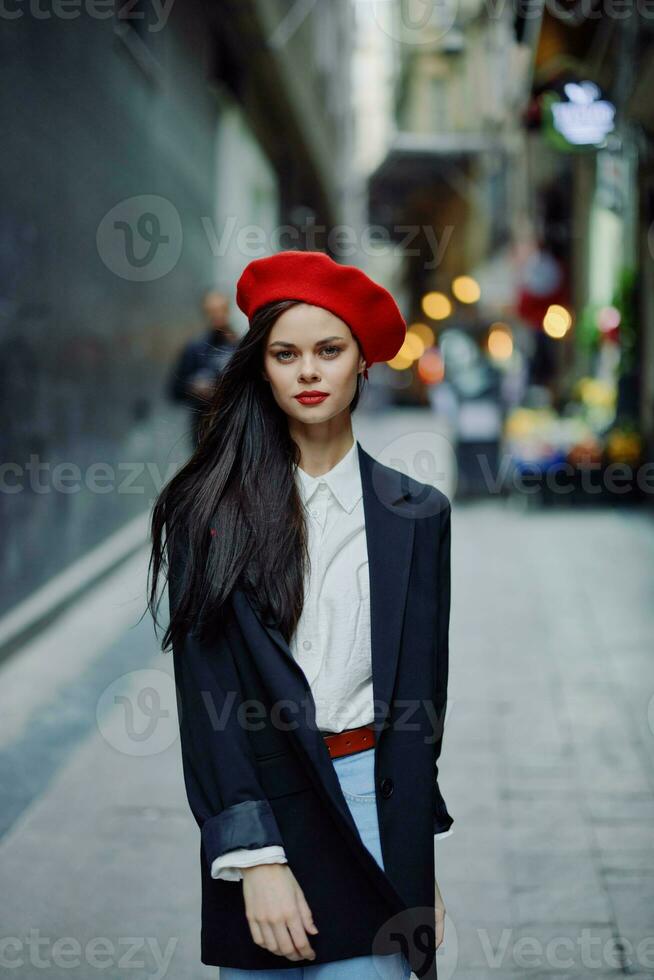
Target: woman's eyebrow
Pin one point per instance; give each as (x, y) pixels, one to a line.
(287, 343)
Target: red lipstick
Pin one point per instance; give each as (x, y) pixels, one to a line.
(313, 397)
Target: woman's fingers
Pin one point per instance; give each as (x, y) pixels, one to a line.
(285, 944)
(300, 938)
(305, 911)
(268, 940)
(283, 938)
(256, 932)
(439, 905)
(440, 924)
(276, 912)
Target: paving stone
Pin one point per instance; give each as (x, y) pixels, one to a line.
(613, 839)
(528, 870)
(617, 862)
(563, 946)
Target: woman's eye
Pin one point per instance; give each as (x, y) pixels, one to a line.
(330, 351)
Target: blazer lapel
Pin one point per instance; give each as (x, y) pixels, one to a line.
(390, 530)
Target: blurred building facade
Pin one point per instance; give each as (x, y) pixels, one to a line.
(148, 156)
(520, 156)
(450, 184)
(589, 172)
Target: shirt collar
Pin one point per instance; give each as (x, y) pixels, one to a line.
(344, 480)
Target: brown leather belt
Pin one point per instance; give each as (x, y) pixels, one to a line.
(349, 741)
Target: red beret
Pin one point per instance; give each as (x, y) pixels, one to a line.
(313, 277)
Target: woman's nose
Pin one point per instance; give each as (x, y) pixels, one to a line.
(309, 371)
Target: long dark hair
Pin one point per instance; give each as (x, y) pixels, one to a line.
(233, 511)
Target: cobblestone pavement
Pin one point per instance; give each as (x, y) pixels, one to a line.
(547, 765)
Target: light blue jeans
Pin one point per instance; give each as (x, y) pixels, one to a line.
(356, 774)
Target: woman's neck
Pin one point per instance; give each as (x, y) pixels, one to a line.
(318, 455)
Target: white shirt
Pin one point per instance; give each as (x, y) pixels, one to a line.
(332, 639)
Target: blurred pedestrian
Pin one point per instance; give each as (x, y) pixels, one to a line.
(202, 361)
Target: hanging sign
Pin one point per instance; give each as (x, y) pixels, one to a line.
(578, 121)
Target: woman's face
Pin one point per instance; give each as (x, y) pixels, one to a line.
(310, 349)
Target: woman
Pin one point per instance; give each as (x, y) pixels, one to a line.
(309, 592)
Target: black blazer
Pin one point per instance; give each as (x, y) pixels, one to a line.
(257, 770)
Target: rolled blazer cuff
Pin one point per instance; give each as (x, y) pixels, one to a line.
(442, 819)
(442, 824)
(228, 866)
(248, 824)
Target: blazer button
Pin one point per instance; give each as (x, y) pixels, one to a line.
(386, 787)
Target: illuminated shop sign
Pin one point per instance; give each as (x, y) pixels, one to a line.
(579, 121)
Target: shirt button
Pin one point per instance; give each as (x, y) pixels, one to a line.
(307, 644)
(315, 513)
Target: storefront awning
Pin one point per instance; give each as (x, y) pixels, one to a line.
(416, 161)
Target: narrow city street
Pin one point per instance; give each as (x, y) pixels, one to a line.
(229, 227)
(547, 766)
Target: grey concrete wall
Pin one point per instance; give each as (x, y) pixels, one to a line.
(89, 121)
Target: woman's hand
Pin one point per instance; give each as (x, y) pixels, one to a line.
(277, 911)
(440, 914)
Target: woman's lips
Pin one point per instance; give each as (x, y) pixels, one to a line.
(311, 398)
